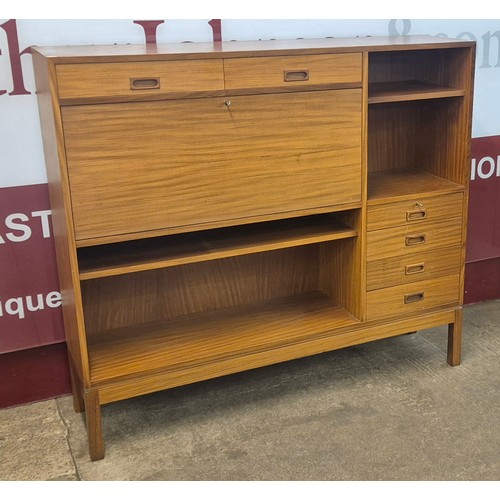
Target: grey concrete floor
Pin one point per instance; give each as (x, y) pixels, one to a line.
(388, 410)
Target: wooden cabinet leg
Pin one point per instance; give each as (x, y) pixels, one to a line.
(455, 339)
(94, 424)
(78, 402)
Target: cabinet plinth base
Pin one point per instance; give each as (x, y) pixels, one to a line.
(139, 384)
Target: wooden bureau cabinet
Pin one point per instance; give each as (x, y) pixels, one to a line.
(221, 207)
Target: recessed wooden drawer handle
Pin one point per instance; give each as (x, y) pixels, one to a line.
(414, 297)
(296, 75)
(417, 214)
(415, 268)
(415, 240)
(144, 83)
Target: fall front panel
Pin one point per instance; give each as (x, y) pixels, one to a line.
(136, 167)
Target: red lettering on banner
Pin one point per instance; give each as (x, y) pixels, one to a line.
(10, 222)
(485, 168)
(16, 305)
(16, 222)
(30, 312)
(483, 241)
(216, 26)
(39, 305)
(10, 28)
(150, 28)
(2, 91)
(15, 54)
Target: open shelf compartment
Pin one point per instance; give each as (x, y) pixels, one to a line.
(208, 336)
(416, 148)
(409, 90)
(393, 185)
(167, 251)
(416, 75)
(210, 308)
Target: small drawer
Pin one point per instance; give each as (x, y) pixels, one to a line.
(138, 79)
(415, 211)
(394, 271)
(258, 72)
(412, 297)
(411, 240)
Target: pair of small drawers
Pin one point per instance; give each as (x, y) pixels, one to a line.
(167, 78)
(413, 255)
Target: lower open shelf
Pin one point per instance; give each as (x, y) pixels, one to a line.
(397, 184)
(207, 336)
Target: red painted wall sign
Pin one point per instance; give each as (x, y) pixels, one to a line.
(30, 312)
(30, 301)
(483, 240)
(10, 29)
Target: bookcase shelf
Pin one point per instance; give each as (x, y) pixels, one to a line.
(399, 184)
(410, 90)
(168, 251)
(208, 336)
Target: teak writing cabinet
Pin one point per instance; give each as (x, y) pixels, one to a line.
(219, 207)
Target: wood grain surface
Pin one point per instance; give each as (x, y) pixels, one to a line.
(216, 140)
(155, 380)
(228, 49)
(114, 80)
(411, 240)
(144, 166)
(163, 294)
(169, 251)
(62, 220)
(214, 335)
(398, 270)
(403, 184)
(415, 211)
(402, 299)
(258, 72)
(409, 90)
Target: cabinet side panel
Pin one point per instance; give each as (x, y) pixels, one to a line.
(362, 218)
(61, 216)
(469, 70)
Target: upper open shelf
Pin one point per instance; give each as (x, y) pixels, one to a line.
(409, 90)
(412, 75)
(167, 251)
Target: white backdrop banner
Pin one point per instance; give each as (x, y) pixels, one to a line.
(29, 300)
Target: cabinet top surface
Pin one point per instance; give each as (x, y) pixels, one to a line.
(88, 53)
